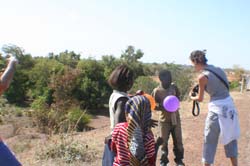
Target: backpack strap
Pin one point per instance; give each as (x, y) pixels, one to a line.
(219, 77)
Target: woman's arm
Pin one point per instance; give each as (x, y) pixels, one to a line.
(7, 75)
(202, 79)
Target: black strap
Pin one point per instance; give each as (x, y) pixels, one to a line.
(196, 105)
(222, 80)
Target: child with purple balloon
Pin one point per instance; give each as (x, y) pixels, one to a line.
(169, 120)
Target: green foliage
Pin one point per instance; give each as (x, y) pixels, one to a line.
(40, 114)
(61, 86)
(92, 89)
(68, 150)
(78, 118)
(131, 57)
(67, 58)
(145, 83)
(18, 88)
(59, 117)
(182, 77)
(13, 49)
(2, 63)
(39, 103)
(234, 85)
(109, 63)
(18, 113)
(42, 75)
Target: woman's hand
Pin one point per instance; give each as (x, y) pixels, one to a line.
(11, 59)
(199, 91)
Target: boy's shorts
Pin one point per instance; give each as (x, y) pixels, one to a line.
(211, 137)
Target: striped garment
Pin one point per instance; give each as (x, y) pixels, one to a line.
(133, 141)
(120, 146)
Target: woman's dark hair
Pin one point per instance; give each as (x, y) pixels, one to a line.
(121, 78)
(198, 56)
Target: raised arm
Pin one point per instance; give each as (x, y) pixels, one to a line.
(7, 75)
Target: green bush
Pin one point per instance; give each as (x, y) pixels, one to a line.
(91, 90)
(39, 103)
(40, 114)
(234, 85)
(78, 118)
(145, 83)
(18, 113)
(58, 118)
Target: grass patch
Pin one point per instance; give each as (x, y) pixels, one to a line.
(67, 150)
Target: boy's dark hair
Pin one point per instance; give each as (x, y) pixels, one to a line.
(165, 74)
(121, 78)
(198, 56)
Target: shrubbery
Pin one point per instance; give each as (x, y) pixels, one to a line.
(62, 86)
(68, 150)
(145, 83)
(234, 85)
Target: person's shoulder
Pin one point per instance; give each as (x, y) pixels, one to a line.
(117, 95)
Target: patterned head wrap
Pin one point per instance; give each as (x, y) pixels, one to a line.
(139, 113)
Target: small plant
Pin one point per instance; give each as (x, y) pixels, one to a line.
(145, 83)
(18, 113)
(67, 150)
(78, 118)
(234, 85)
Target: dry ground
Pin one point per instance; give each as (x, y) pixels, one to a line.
(28, 142)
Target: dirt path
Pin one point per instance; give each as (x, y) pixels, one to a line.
(193, 135)
(192, 128)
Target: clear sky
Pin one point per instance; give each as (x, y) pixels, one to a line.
(165, 30)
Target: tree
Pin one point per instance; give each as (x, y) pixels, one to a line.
(92, 89)
(14, 50)
(109, 63)
(67, 58)
(131, 55)
(145, 83)
(42, 75)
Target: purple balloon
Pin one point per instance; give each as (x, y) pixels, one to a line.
(171, 103)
